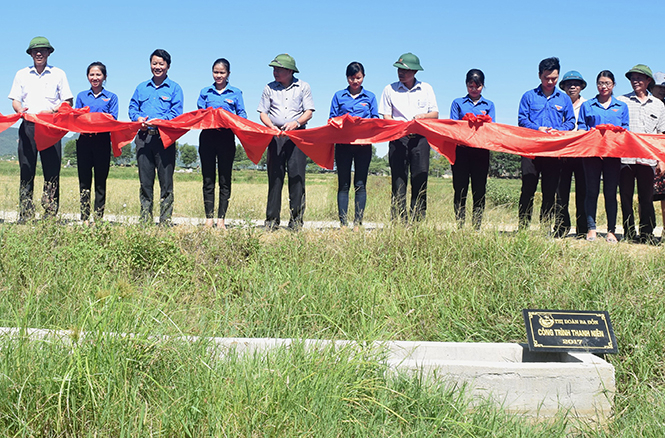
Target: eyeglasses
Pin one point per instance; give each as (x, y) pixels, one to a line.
(605, 84)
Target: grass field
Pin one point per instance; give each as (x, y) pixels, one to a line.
(429, 282)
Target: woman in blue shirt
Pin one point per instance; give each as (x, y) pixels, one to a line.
(602, 109)
(93, 151)
(355, 101)
(471, 163)
(217, 147)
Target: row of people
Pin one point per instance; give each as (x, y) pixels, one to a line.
(286, 104)
(547, 109)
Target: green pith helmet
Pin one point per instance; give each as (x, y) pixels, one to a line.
(408, 61)
(640, 68)
(285, 61)
(38, 43)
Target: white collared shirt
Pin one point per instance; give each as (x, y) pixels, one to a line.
(646, 117)
(403, 104)
(40, 92)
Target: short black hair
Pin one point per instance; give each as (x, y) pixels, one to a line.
(549, 64)
(224, 62)
(475, 76)
(606, 74)
(353, 68)
(99, 65)
(161, 53)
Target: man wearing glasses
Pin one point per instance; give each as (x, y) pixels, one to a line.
(647, 116)
(572, 84)
(39, 88)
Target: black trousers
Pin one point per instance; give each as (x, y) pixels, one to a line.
(473, 164)
(151, 155)
(359, 156)
(217, 149)
(570, 167)
(27, 158)
(93, 152)
(285, 157)
(547, 169)
(410, 153)
(644, 176)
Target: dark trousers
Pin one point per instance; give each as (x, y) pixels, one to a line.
(151, 155)
(410, 153)
(474, 164)
(644, 175)
(27, 158)
(547, 169)
(284, 157)
(359, 156)
(217, 148)
(93, 151)
(609, 167)
(570, 167)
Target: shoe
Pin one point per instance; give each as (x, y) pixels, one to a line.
(271, 225)
(591, 235)
(611, 238)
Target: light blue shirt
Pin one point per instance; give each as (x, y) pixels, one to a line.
(230, 99)
(364, 105)
(463, 105)
(104, 102)
(164, 102)
(593, 113)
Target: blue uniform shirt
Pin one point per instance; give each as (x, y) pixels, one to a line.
(592, 114)
(230, 99)
(164, 102)
(537, 110)
(364, 105)
(463, 105)
(105, 102)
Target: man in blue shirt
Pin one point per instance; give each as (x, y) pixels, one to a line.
(548, 110)
(158, 98)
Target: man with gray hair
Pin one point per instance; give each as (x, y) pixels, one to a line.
(647, 116)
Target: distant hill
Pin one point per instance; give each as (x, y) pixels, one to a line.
(9, 141)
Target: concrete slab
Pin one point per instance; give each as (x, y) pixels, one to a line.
(535, 385)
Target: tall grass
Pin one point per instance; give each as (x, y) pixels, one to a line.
(428, 282)
(418, 283)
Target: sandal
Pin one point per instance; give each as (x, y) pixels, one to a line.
(611, 238)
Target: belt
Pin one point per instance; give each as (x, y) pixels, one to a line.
(153, 131)
(413, 136)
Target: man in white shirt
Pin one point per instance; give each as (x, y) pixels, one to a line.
(39, 89)
(405, 100)
(647, 116)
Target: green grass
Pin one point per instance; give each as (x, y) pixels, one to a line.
(430, 282)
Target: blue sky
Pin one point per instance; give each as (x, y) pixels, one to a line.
(505, 39)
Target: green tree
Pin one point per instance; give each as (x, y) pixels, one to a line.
(241, 161)
(378, 165)
(438, 164)
(188, 154)
(69, 154)
(504, 165)
(126, 156)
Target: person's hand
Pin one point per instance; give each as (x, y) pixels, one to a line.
(144, 124)
(660, 168)
(547, 129)
(290, 126)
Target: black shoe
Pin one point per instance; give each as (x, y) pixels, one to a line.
(271, 225)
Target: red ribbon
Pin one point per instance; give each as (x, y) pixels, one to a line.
(318, 143)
